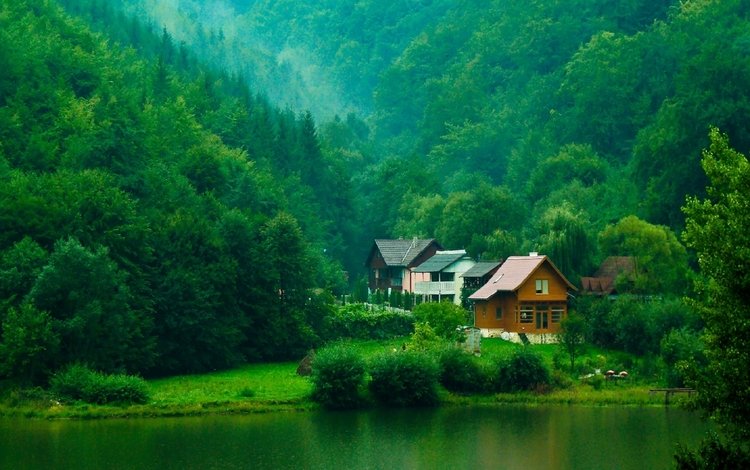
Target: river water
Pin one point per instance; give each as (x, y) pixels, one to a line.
(508, 437)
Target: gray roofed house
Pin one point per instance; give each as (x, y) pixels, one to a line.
(479, 274)
(440, 260)
(390, 261)
(439, 278)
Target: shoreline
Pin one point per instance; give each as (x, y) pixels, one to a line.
(626, 397)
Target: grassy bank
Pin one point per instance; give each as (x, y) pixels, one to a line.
(258, 388)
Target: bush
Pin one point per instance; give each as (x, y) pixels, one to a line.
(523, 370)
(424, 338)
(443, 317)
(406, 378)
(460, 372)
(78, 382)
(338, 373)
(681, 351)
(357, 321)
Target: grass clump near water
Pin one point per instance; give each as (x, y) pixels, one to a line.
(338, 374)
(404, 378)
(524, 370)
(461, 372)
(78, 382)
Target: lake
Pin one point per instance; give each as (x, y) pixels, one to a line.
(512, 437)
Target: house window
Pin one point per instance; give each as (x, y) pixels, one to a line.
(542, 286)
(557, 313)
(498, 313)
(526, 314)
(484, 311)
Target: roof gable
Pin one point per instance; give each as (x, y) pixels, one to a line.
(401, 252)
(440, 261)
(513, 273)
(481, 269)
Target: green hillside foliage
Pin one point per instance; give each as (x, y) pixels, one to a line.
(156, 217)
(496, 126)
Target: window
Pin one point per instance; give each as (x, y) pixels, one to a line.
(484, 311)
(498, 313)
(557, 313)
(526, 314)
(542, 286)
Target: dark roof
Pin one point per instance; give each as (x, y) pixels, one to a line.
(481, 269)
(402, 252)
(440, 261)
(597, 285)
(512, 274)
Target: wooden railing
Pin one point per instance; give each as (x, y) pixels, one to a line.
(434, 288)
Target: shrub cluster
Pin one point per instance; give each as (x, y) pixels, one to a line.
(78, 382)
(338, 373)
(359, 321)
(411, 377)
(523, 370)
(444, 317)
(407, 378)
(461, 373)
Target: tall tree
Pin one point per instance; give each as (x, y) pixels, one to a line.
(718, 229)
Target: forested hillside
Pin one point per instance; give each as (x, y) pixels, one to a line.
(156, 216)
(495, 126)
(212, 162)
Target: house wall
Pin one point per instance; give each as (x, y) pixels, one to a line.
(485, 311)
(409, 276)
(511, 302)
(558, 290)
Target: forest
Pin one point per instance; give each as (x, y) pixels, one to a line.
(187, 185)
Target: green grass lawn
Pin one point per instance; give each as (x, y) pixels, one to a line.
(274, 382)
(277, 387)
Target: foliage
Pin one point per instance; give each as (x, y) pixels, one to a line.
(683, 355)
(713, 453)
(460, 372)
(424, 338)
(717, 229)
(363, 322)
(338, 373)
(405, 378)
(29, 344)
(443, 317)
(523, 370)
(78, 382)
(660, 259)
(572, 337)
(140, 193)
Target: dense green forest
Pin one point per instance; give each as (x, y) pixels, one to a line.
(184, 183)
(492, 125)
(138, 234)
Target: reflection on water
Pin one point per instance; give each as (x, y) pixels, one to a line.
(480, 437)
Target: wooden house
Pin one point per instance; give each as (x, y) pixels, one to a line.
(439, 278)
(390, 262)
(527, 294)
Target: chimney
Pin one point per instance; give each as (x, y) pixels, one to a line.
(533, 253)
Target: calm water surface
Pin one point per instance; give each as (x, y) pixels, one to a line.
(476, 438)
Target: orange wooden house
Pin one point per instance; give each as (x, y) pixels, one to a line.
(527, 294)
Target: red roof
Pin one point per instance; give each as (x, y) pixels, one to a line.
(512, 274)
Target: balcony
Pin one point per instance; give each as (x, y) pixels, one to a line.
(435, 288)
